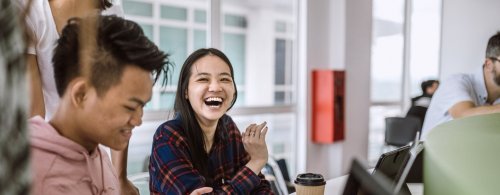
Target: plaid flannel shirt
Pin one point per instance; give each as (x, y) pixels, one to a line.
(171, 170)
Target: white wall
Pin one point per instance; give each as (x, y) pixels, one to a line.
(466, 27)
(337, 33)
(339, 37)
(358, 62)
(322, 158)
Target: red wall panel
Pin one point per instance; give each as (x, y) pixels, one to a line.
(328, 88)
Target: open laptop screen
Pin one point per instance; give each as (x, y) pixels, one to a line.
(392, 163)
(360, 182)
(396, 165)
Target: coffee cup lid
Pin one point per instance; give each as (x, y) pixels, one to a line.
(310, 179)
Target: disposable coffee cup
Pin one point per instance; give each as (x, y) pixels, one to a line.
(310, 184)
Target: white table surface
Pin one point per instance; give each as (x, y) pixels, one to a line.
(336, 186)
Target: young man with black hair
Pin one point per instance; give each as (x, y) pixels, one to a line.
(104, 79)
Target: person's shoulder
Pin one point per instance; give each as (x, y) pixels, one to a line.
(42, 168)
(229, 124)
(416, 98)
(37, 122)
(42, 134)
(39, 24)
(227, 120)
(170, 130)
(21, 5)
(38, 10)
(231, 129)
(42, 157)
(45, 160)
(456, 82)
(459, 77)
(174, 125)
(423, 101)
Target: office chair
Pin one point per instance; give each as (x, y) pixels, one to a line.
(273, 174)
(401, 131)
(284, 171)
(417, 111)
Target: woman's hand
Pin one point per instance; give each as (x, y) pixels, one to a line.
(254, 141)
(201, 191)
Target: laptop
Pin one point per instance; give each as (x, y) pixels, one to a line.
(396, 165)
(360, 182)
(388, 171)
(392, 163)
(392, 168)
(415, 149)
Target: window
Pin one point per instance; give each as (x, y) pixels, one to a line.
(258, 39)
(425, 39)
(178, 28)
(389, 93)
(173, 13)
(283, 93)
(387, 50)
(137, 8)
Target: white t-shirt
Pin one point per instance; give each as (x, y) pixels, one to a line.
(455, 89)
(40, 24)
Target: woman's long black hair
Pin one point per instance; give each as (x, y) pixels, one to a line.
(182, 107)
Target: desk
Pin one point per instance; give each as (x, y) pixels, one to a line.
(463, 157)
(336, 185)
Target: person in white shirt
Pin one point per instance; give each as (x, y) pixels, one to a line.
(464, 95)
(44, 23)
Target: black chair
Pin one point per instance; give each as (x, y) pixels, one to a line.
(273, 174)
(284, 171)
(401, 131)
(417, 111)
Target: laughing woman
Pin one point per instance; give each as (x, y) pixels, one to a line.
(202, 146)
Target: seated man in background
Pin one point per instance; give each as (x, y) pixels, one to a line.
(104, 78)
(464, 95)
(420, 103)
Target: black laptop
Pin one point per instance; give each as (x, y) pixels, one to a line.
(360, 182)
(392, 163)
(388, 171)
(396, 165)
